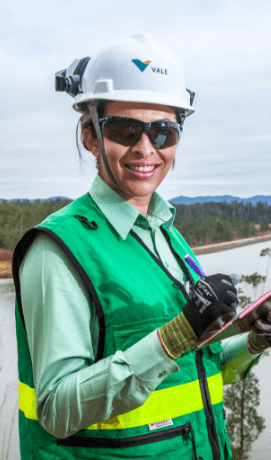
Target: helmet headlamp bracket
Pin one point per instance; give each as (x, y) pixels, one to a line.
(71, 83)
(60, 83)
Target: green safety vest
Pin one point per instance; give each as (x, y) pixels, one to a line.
(134, 294)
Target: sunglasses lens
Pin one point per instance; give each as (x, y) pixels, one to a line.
(127, 132)
(124, 132)
(163, 136)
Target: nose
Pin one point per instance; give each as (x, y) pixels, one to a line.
(144, 147)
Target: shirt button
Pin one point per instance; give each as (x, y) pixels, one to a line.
(162, 374)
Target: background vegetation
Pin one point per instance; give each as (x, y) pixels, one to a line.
(244, 211)
(19, 216)
(199, 224)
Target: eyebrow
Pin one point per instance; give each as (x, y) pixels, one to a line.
(163, 119)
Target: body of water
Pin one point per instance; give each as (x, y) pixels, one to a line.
(243, 261)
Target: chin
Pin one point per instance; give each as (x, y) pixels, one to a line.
(141, 190)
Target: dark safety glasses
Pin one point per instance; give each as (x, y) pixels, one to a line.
(128, 131)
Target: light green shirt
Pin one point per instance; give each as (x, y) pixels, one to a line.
(63, 329)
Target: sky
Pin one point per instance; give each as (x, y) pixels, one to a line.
(224, 48)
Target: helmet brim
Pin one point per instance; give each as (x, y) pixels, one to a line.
(147, 97)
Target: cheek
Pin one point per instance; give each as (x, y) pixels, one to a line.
(114, 152)
(168, 157)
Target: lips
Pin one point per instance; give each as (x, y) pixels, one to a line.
(142, 170)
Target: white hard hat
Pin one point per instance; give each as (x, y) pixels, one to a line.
(132, 69)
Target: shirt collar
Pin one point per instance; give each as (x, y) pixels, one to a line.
(122, 215)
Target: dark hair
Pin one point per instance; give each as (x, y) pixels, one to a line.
(85, 121)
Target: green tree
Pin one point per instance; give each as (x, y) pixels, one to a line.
(264, 226)
(254, 281)
(19, 216)
(266, 252)
(244, 425)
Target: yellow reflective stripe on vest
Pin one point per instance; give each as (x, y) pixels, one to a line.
(161, 405)
(215, 385)
(27, 401)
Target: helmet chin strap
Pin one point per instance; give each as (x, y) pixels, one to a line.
(95, 119)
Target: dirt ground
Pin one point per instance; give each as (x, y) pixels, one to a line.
(263, 236)
(5, 263)
(6, 255)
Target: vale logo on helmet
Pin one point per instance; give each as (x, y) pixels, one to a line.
(143, 65)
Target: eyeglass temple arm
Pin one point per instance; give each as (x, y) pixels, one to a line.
(95, 119)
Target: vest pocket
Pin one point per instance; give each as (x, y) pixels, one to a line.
(215, 347)
(214, 357)
(185, 431)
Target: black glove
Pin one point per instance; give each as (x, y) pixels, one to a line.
(259, 338)
(212, 304)
(262, 326)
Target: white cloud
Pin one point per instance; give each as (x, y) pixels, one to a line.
(223, 47)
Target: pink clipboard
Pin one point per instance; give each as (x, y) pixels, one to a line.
(232, 327)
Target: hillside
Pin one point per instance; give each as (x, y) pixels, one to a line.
(178, 200)
(228, 198)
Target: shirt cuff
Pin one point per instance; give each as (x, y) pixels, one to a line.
(236, 360)
(149, 362)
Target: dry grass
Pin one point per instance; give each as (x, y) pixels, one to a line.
(5, 263)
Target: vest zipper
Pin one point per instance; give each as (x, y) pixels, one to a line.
(134, 441)
(207, 405)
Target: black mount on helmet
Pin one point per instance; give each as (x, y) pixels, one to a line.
(71, 83)
(192, 96)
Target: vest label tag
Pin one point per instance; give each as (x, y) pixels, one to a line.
(156, 425)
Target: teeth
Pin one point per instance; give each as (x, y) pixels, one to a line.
(141, 168)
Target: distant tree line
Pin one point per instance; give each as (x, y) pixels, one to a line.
(199, 231)
(19, 216)
(245, 211)
(215, 222)
(200, 224)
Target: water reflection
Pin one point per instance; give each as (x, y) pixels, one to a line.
(9, 440)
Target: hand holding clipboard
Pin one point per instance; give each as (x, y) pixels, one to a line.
(243, 322)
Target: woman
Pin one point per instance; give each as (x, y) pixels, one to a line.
(103, 307)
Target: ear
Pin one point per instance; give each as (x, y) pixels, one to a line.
(91, 142)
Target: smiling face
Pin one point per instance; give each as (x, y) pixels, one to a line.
(138, 169)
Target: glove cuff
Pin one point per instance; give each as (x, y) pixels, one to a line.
(177, 336)
(256, 344)
(241, 325)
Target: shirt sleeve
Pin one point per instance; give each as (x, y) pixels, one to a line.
(62, 327)
(236, 360)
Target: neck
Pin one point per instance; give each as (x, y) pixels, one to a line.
(140, 203)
